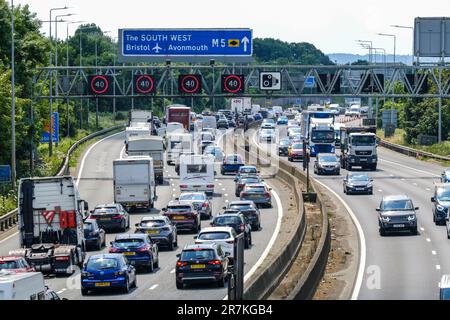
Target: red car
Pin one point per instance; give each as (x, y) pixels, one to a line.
(15, 264)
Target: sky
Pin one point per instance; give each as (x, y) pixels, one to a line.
(333, 26)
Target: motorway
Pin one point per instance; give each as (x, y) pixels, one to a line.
(398, 266)
(96, 186)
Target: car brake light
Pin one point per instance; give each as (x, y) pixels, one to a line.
(244, 194)
(205, 205)
(267, 195)
(62, 258)
(183, 186)
(215, 262)
(242, 227)
(210, 186)
(113, 250)
(143, 249)
(117, 216)
(119, 273)
(181, 264)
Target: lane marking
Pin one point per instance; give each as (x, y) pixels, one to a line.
(438, 267)
(415, 183)
(422, 229)
(122, 152)
(433, 253)
(226, 194)
(411, 168)
(173, 271)
(88, 151)
(153, 287)
(379, 190)
(61, 291)
(174, 189)
(428, 240)
(428, 189)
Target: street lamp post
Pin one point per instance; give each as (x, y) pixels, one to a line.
(50, 139)
(370, 48)
(411, 28)
(393, 80)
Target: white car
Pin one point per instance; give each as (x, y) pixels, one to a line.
(293, 123)
(223, 236)
(267, 135)
(294, 131)
(268, 125)
(354, 110)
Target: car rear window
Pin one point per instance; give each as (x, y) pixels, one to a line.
(192, 196)
(297, 146)
(227, 220)
(240, 206)
(202, 254)
(179, 208)
(236, 159)
(8, 265)
(102, 263)
(247, 170)
(214, 236)
(122, 243)
(255, 188)
(153, 223)
(250, 180)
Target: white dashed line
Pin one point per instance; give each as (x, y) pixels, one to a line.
(220, 184)
(167, 171)
(217, 180)
(174, 195)
(223, 189)
(414, 183)
(226, 194)
(428, 240)
(402, 179)
(391, 175)
(174, 189)
(173, 271)
(438, 267)
(428, 189)
(379, 190)
(433, 253)
(153, 287)
(227, 201)
(173, 184)
(61, 291)
(422, 229)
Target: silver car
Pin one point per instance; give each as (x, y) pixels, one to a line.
(327, 163)
(200, 201)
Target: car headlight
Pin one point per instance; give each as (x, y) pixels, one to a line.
(411, 218)
(370, 185)
(385, 219)
(440, 208)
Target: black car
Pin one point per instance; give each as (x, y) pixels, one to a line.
(236, 221)
(201, 263)
(397, 213)
(283, 147)
(222, 123)
(243, 180)
(251, 215)
(94, 236)
(200, 201)
(231, 123)
(356, 182)
(160, 229)
(111, 216)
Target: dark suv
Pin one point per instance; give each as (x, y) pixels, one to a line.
(397, 213)
(236, 221)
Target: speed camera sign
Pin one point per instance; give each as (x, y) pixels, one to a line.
(270, 81)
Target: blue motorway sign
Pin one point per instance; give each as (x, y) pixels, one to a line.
(184, 44)
(45, 136)
(309, 82)
(5, 173)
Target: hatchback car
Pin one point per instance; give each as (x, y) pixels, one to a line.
(231, 123)
(15, 264)
(283, 147)
(259, 193)
(139, 249)
(201, 263)
(95, 237)
(327, 163)
(224, 237)
(397, 213)
(441, 203)
(245, 170)
(445, 176)
(160, 229)
(222, 123)
(111, 216)
(200, 201)
(243, 180)
(215, 151)
(283, 120)
(295, 151)
(236, 221)
(231, 164)
(104, 271)
(258, 116)
(358, 183)
(267, 135)
(183, 215)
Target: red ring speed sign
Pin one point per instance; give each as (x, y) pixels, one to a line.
(145, 90)
(105, 81)
(192, 78)
(233, 77)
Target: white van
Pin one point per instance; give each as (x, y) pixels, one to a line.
(197, 173)
(178, 143)
(136, 132)
(22, 286)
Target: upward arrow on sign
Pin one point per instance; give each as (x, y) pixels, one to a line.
(245, 41)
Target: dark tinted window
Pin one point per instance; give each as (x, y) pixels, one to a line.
(214, 235)
(227, 220)
(8, 265)
(123, 243)
(202, 254)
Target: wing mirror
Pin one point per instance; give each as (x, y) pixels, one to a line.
(378, 209)
(224, 208)
(178, 255)
(416, 208)
(177, 199)
(164, 209)
(86, 206)
(195, 237)
(136, 224)
(433, 199)
(111, 242)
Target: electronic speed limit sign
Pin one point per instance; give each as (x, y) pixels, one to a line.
(189, 83)
(144, 84)
(233, 83)
(100, 85)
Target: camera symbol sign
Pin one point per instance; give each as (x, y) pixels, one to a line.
(270, 81)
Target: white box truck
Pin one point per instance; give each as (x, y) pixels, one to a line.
(51, 224)
(134, 182)
(178, 143)
(151, 146)
(197, 173)
(140, 116)
(247, 106)
(237, 105)
(22, 286)
(136, 132)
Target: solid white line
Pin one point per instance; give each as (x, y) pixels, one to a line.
(226, 194)
(433, 253)
(87, 153)
(122, 152)
(9, 237)
(422, 229)
(61, 291)
(407, 167)
(153, 287)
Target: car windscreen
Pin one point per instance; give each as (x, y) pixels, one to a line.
(297, 146)
(328, 159)
(235, 159)
(358, 177)
(180, 145)
(179, 208)
(240, 206)
(247, 170)
(397, 205)
(227, 220)
(325, 135)
(202, 254)
(196, 168)
(8, 265)
(255, 188)
(250, 180)
(192, 196)
(153, 223)
(443, 194)
(214, 235)
(123, 243)
(102, 263)
(284, 143)
(267, 131)
(88, 226)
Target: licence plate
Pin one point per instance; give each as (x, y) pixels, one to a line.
(196, 186)
(178, 218)
(399, 225)
(129, 253)
(102, 284)
(152, 232)
(363, 160)
(198, 266)
(359, 189)
(105, 219)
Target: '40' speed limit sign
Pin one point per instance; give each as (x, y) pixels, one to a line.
(101, 85)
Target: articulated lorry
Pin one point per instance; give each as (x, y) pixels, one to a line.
(51, 224)
(317, 128)
(152, 146)
(359, 147)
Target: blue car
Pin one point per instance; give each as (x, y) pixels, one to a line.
(257, 116)
(259, 193)
(139, 249)
(445, 177)
(103, 271)
(283, 120)
(231, 164)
